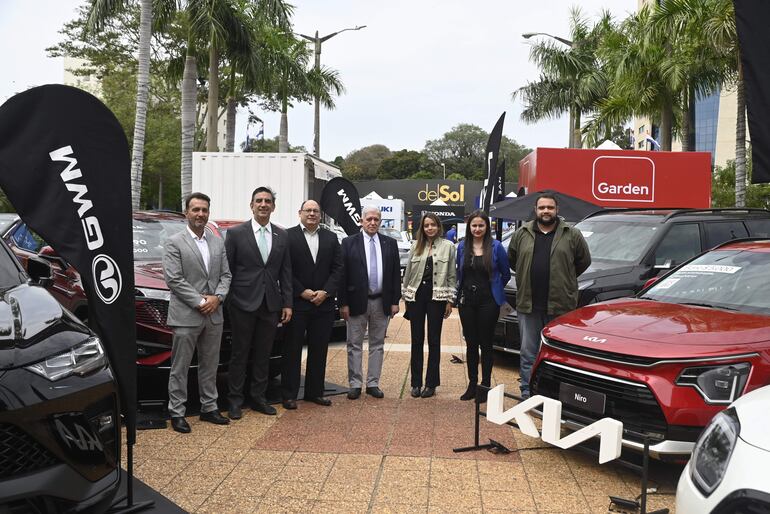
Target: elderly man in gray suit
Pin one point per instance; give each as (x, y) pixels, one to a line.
(197, 273)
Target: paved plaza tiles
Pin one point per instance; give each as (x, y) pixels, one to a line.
(390, 455)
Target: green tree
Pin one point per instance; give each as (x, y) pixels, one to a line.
(572, 79)
(710, 25)
(109, 54)
(402, 164)
(268, 146)
(462, 152)
(723, 189)
(364, 163)
(100, 11)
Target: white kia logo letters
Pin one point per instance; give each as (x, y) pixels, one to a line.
(610, 431)
(593, 339)
(107, 279)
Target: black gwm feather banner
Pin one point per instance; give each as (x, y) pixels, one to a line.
(490, 158)
(340, 200)
(65, 167)
(752, 18)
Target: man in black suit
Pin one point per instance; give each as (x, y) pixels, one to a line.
(260, 296)
(316, 265)
(369, 294)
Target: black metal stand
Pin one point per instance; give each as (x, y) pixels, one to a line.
(636, 505)
(130, 506)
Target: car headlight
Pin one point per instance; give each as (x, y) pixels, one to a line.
(157, 294)
(80, 360)
(720, 384)
(713, 451)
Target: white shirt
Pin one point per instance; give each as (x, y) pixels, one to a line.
(268, 234)
(203, 247)
(312, 240)
(368, 238)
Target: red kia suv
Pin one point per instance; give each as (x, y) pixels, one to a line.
(667, 360)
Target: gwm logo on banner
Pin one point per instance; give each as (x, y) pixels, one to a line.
(632, 180)
(610, 431)
(105, 271)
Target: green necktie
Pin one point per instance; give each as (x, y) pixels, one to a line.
(262, 243)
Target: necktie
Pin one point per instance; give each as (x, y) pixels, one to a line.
(262, 243)
(373, 285)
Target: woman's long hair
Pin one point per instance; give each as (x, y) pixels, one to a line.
(486, 243)
(422, 239)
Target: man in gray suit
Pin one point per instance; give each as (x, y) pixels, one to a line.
(261, 297)
(198, 276)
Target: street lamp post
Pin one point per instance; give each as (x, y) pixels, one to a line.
(572, 139)
(444, 166)
(317, 50)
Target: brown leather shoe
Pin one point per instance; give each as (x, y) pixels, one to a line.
(289, 404)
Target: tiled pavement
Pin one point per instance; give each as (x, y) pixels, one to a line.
(377, 456)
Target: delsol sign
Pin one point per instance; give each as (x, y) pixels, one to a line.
(441, 192)
(623, 178)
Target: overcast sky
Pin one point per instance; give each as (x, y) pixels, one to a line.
(419, 67)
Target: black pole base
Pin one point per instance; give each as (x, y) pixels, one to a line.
(136, 507)
(492, 446)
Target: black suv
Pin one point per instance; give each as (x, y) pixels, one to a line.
(629, 247)
(59, 411)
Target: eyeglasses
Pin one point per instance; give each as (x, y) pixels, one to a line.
(311, 211)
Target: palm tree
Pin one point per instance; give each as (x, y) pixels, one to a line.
(98, 14)
(712, 24)
(294, 80)
(249, 71)
(571, 79)
(648, 79)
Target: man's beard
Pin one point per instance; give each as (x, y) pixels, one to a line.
(545, 222)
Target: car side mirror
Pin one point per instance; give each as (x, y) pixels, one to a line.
(40, 272)
(50, 255)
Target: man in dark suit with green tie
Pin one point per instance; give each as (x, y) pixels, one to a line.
(260, 298)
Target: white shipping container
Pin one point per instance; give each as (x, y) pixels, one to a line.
(229, 179)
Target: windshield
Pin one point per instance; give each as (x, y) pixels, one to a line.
(617, 241)
(150, 235)
(726, 279)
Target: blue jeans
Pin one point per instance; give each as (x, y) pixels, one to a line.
(530, 326)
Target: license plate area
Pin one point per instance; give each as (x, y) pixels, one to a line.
(582, 398)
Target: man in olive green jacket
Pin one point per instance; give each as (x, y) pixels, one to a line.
(547, 256)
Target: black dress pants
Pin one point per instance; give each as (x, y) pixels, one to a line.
(479, 328)
(253, 332)
(313, 328)
(423, 307)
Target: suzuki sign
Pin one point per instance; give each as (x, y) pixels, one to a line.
(624, 179)
(610, 431)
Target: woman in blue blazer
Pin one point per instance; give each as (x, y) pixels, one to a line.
(482, 272)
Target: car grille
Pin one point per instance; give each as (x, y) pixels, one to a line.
(152, 313)
(19, 453)
(601, 354)
(635, 406)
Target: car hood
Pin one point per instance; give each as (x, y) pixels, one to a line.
(149, 274)
(33, 326)
(599, 269)
(647, 328)
(752, 411)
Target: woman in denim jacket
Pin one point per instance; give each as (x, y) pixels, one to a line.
(482, 272)
(429, 285)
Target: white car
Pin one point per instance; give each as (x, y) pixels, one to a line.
(729, 471)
